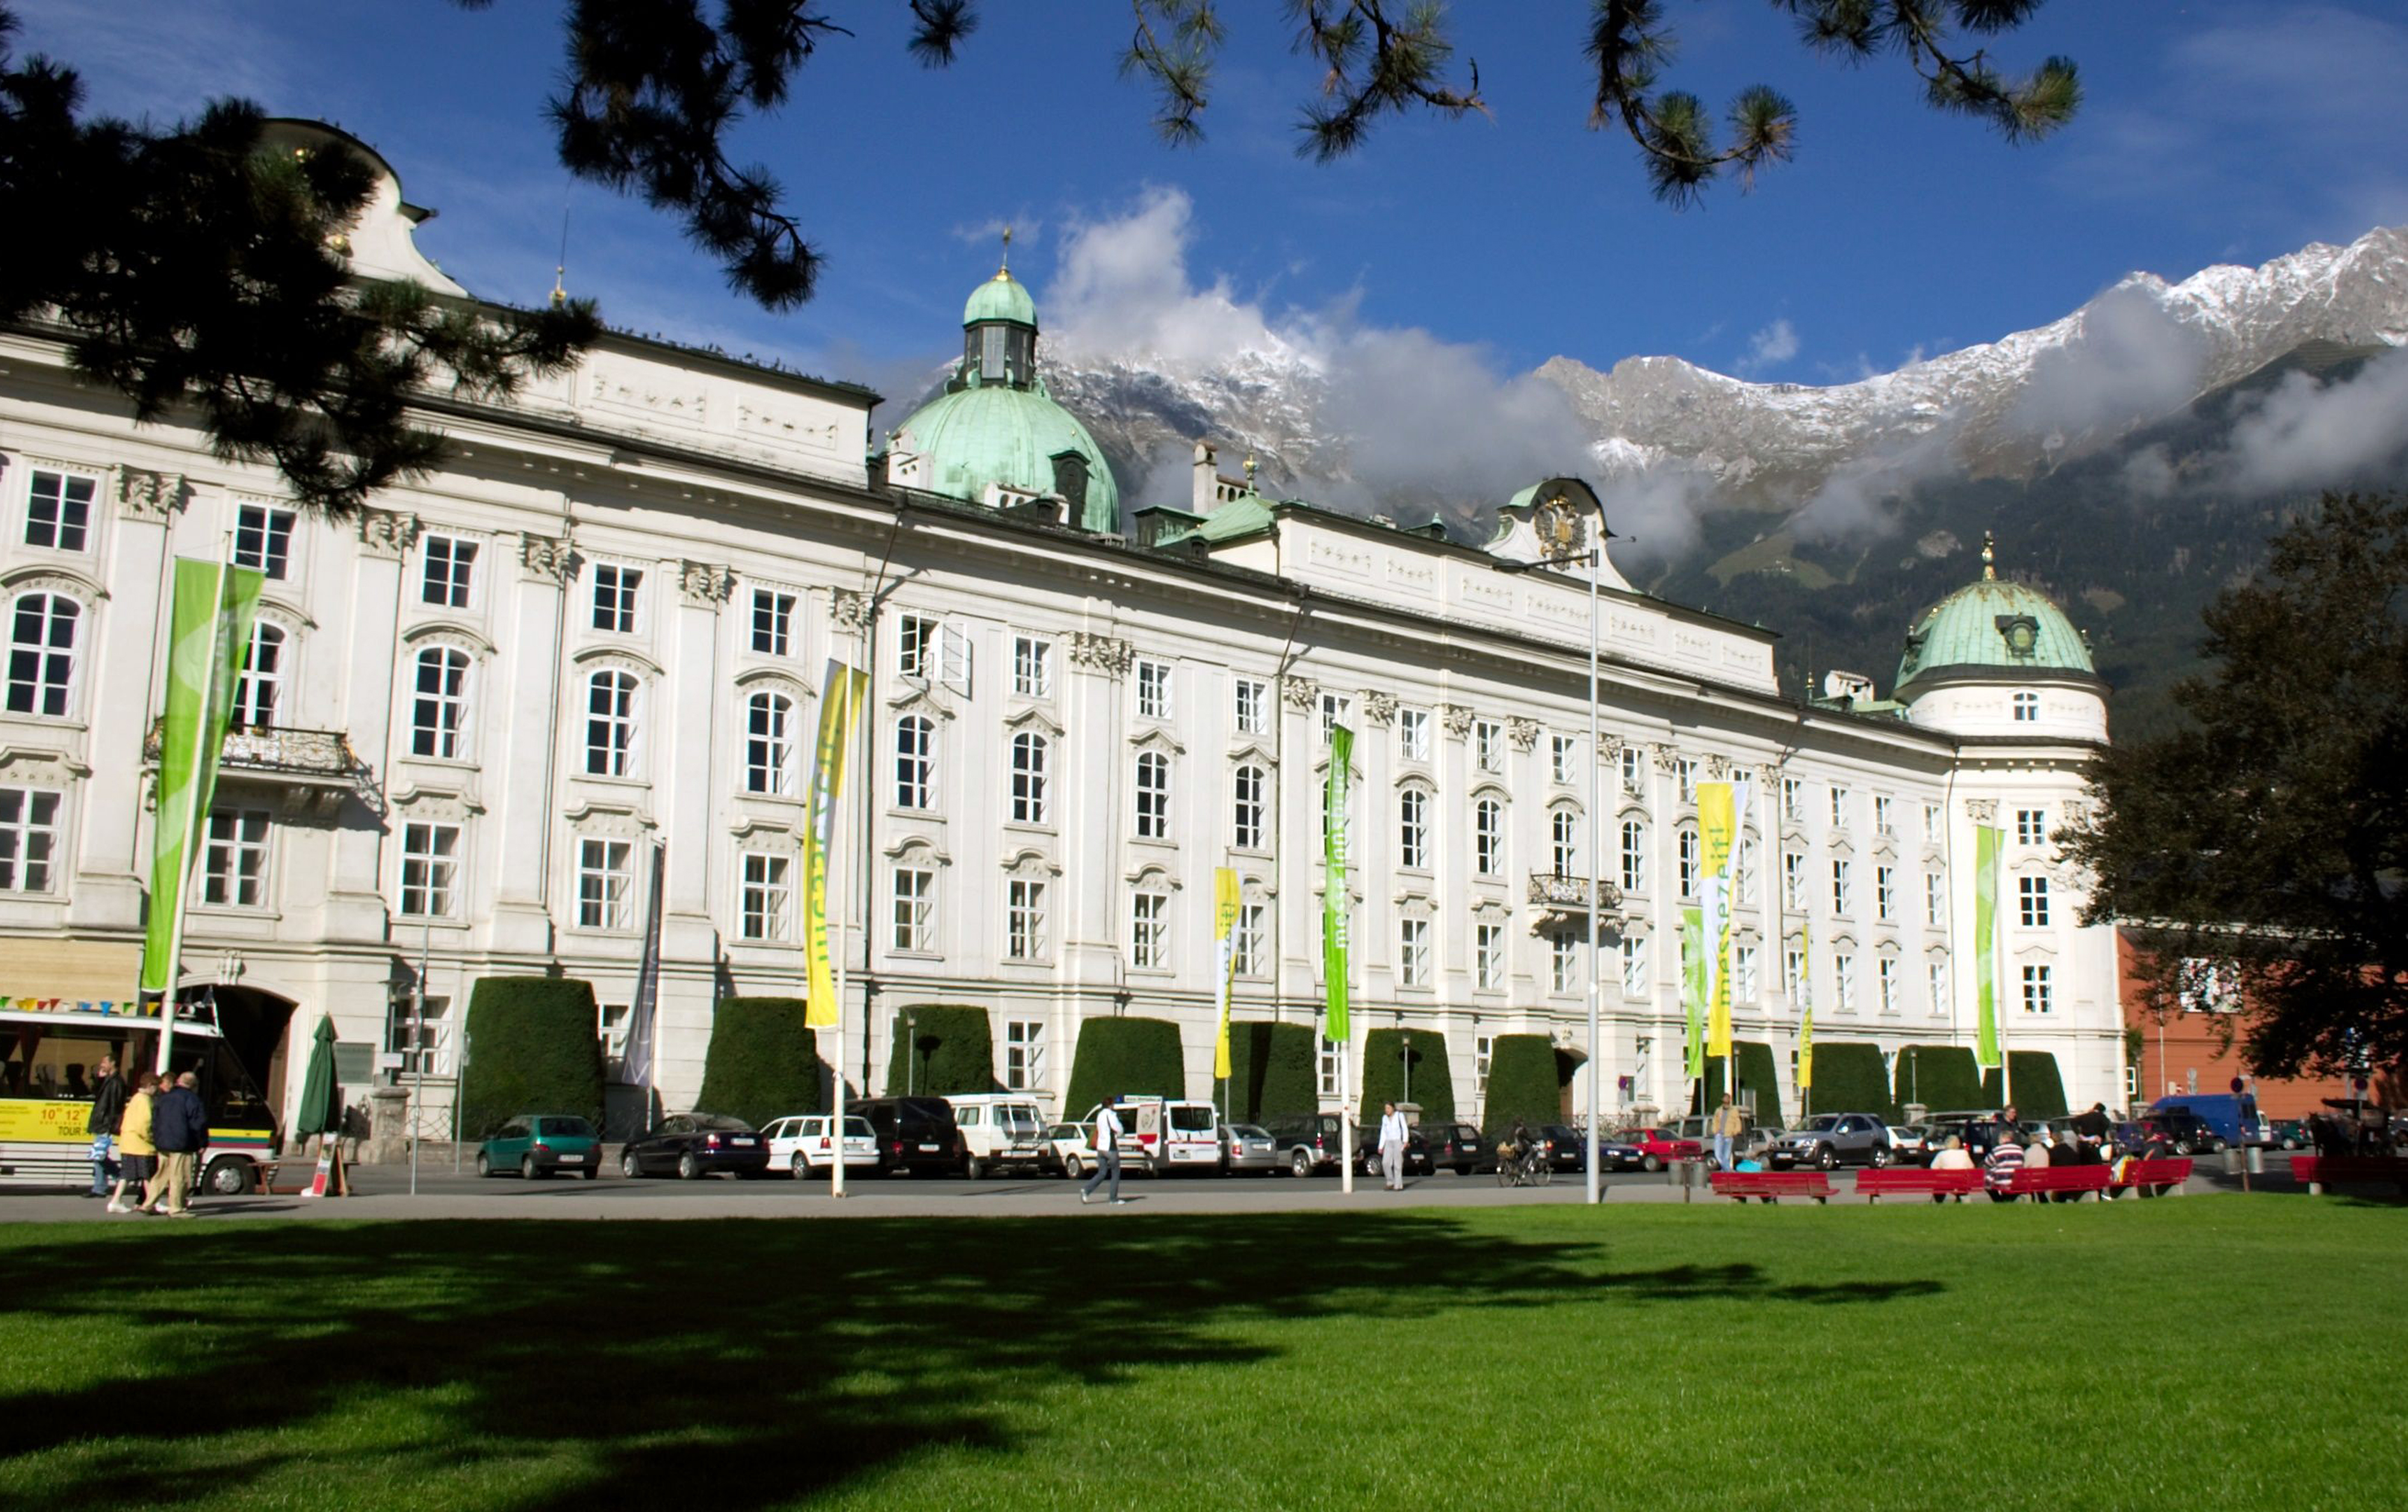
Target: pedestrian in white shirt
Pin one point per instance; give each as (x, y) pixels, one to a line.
(1108, 1155)
(1391, 1146)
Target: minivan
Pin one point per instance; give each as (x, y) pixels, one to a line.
(1000, 1131)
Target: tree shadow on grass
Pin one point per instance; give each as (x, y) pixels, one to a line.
(749, 1361)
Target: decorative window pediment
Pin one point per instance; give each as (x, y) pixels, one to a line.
(1157, 738)
(616, 658)
(444, 633)
(1155, 877)
(51, 578)
(615, 822)
(1033, 718)
(917, 850)
(1254, 752)
(420, 802)
(1032, 865)
(775, 679)
(917, 698)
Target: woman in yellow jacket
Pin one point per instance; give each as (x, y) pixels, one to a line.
(139, 1158)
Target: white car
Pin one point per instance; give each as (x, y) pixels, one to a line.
(799, 1142)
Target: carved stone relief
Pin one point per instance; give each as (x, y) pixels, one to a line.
(385, 534)
(1303, 695)
(1524, 732)
(1107, 654)
(547, 559)
(1456, 719)
(1982, 810)
(1378, 708)
(705, 585)
(151, 496)
(851, 610)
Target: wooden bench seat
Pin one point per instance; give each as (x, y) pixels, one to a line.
(2049, 1180)
(1771, 1186)
(2149, 1177)
(1909, 1181)
(2321, 1171)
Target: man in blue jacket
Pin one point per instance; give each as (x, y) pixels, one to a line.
(179, 1127)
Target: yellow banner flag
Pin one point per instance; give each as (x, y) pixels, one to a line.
(1717, 838)
(841, 699)
(1224, 933)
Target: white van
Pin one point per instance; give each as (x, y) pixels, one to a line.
(999, 1130)
(1160, 1134)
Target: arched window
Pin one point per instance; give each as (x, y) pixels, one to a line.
(610, 724)
(1412, 829)
(770, 745)
(1029, 752)
(1688, 860)
(263, 678)
(1488, 837)
(1246, 808)
(915, 761)
(1565, 825)
(439, 706)
(1152, 796)
(41, 654)
(1634, 856)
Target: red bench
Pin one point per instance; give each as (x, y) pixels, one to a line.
(1907, 1181)
(2152, 1176)
(2045, 1181)
(2321, 1171)
(1771, 1186)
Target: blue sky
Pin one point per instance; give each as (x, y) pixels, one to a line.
(2211, 133)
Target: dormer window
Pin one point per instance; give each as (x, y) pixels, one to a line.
(2021, 633)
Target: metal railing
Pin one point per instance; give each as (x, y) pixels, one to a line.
(275, 749)
(1559, 889)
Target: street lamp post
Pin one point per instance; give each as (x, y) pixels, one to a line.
(1913, 1074)
(911, 1054)
(1406, 1055)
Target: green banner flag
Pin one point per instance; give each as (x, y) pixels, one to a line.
(842, 694)
(1333, 882)
(209, 616)
(1693, 986)
(1986, 845)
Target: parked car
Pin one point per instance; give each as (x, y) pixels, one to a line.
(1247, 1148)
(2290, 1133)
(1307, 1145)
(915, 1135)
(1166, 1133)
(1659, 1148)
(1566, 1146)
(1978, 1133)
(1831, 1139)
(2185, 1133)
(801, 1142)
(1367, 1152)
(534, 1145)
(1460, 1148)
(2232, 1120)
(1907, 1146)
(695, 1144)
(1066, 1149)
(1616, 1153)
(999, 1132)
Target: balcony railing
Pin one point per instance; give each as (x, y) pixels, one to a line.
(1571, 895)
(301, 753)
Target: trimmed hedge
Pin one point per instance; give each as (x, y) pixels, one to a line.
(535, 1046)
(1849, 1078)
(955, 1048)
(1384, 1077)
(2040, 1091)
(1271, 1073)
(1755, 1074)
(1942, 1077)
(764, 1061)
(1522, 1083)
(1123, 1057)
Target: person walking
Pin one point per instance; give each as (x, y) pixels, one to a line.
(1726, 1128)
(137, 1157)
(108, 1114)
(179, 1128)
(1391, 1146)
(1108, 1156)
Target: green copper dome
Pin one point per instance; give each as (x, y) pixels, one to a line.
(1001, 298)
(1993, 627)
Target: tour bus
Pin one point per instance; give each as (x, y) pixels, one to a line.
(48, 1049)
(1167, 1134)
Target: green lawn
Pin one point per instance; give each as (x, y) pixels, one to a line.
(2174, 1354)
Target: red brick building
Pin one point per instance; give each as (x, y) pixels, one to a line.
(2188, 1051)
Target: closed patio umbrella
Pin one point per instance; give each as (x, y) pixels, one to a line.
(322, 1109)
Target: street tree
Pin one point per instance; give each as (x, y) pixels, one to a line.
(2264, 845)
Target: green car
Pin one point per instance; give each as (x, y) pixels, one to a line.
(538, 1144)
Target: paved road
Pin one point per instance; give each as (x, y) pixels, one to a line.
(383, 1192)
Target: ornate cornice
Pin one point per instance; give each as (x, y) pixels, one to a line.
(385, 533)
(851, 610)
(1456, 719)
(1523, 732)
(547, 559)
(705, 585)
(1107, 654)
(151, 496)
(1378, 708)
(1302, 694)
(1668, 757)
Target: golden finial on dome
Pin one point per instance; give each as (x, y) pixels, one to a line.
(1003, 272)
(1990, 557)
(1250, 471)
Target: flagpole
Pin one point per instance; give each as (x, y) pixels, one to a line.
(196, 821)
(838, 881)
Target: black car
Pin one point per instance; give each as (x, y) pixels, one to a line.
(695, 1144)
(1568, 1147)
(2185, 1133)
(1460, 1148)
(1367, 1152)
(915, 1134)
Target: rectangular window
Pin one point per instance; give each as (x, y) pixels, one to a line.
(1792, 800)
(234, 870)
(1935, 899)
(1152, 796)
(29, 838)
(766, 896)
(916, 650)
(1685, 856)
(915, 909)
(1334, 710)
(430, 867)
(1793, 880)
(1328, 1070)
(1839, 808)
(1488, 745)
(1413, 952)
(57, 511)
(2032, 826)
(1152, 689)
(1634, 856)
(773, 622)
(1563, 963)
(1488, 837)
(610, 1028)
(1881, 824)
(1254, 705)
(1149, 931)
(1032, 667)
(1246, 808)
(610, 724)
(1884, 892)
(1481, 1046)
(1744, 875)
(1931, 824)
(1839, 887)
(1561, 749)
(1793, 976)
(1025, 936)
(1935, 984)
(1489, 955)
(1029, 754)
(447, 572)
(420, 1033)
(2039, 992)
(1413, 735)
(1634, 769)
(1887, 970)
(1843, 983)
(1023, 1054)
(614, 598)
(602, 884)
(262, 539)
(1634, 967)
(1413, 829)
(1249, 952)
(1743, 974)
(2032, 899)
(1687, 770)
(2026, 708)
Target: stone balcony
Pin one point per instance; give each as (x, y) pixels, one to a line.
(316, 768)
(1567, 897)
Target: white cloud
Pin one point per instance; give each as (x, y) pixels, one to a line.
(2312, 435)
(1122, 288)
(1768, 348)
(2131, 360)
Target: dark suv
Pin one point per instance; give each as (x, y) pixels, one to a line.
(1309, 1144)
(1829, 1139)
(1459, 1146)
(915, 1134)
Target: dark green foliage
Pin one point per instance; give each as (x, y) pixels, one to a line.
(764, 1061)
(1271, 1073)
(953, 1051)
(2039, 1091)
(1850, 1078)
(1942, 1077)
(1120, 1057)
(1522, 1082)
(534, 1047)
(1755, 1074)
(1433, 1078)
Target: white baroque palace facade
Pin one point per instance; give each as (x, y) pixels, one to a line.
(603, 622)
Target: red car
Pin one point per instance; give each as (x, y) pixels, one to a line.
(1661, 1147)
